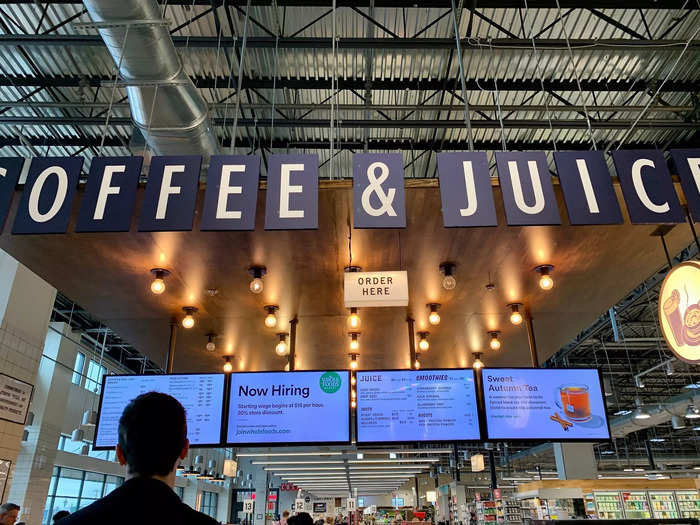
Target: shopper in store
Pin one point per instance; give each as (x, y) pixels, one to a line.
(284, 518)
(8, 513)
(152, 441)
(59, 516)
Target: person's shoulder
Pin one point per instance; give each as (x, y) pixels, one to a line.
(197, 518)
(88, 514)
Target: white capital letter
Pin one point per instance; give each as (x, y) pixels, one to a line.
(225, 189)
(106, 189)
(694, 165)
(641, 190)
(3, 172)
(587, 186)
(471, 190)
(286, 189)
(60, 196)
(166, 189)
(518, 190)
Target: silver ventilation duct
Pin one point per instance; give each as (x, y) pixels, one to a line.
(165, 104)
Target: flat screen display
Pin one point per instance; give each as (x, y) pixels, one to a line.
(544, 403)
(202, 395)
(289, 407)
(416, 405)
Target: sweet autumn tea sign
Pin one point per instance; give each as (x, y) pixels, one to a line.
(679, 311)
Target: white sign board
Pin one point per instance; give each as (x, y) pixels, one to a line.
(431, 496)
(477, 462)
(230, 468)
(15, 396)
(248, 506)
(352, 505)
(299, 505)
(363, 289)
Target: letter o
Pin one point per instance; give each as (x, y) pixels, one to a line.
(58, 200)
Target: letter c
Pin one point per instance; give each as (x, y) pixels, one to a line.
(641, 190)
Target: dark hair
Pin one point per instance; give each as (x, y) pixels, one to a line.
(152, 433)
(8, 507)
(303, 518)
(60, 515)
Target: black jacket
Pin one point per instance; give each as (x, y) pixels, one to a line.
(139, 501)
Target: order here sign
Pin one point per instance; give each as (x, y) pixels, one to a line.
(376, 289)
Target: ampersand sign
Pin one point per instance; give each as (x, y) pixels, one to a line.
(378, 191)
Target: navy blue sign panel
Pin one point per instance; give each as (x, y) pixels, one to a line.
(10, 168)
(377, 190)
(465, 190)
(108, 201)
(526, 186)
(171, 194)
(647, 187)
(687, 163)
(587, 186)
(232, 193)
(292, 192)
(48, 195)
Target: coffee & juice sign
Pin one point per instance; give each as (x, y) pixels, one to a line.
(679, 311)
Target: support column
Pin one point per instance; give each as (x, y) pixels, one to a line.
(26, 302)
(575, 461)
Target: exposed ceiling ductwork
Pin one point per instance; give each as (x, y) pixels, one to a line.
(165, 105)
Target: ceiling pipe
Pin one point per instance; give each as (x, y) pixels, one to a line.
(165, 105)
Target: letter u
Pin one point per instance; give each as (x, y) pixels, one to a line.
(538, 206)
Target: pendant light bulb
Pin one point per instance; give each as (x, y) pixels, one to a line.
(353, 394)
(271, 318)
(353, 381)
(477, 364)
(256, 285)
(282, 348)
(353, 361)
(286, 367)
(228, 366)
(354, 341)
(211, 345)
(423, 343)
(515, 316)
(545, 271)
(495, 344)
(158, 283)
(434, 316)
(188, 320)
(448, 280)
(416, 363)
(353, 404)
(353, 319)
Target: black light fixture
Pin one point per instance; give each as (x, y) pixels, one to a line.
(354, 341)
(271, 318)
(434, 316)
(477, 364)
(515, 316)
(353, 320)
(211, 345)
(228, 365)
(423, 343)
(158, 283)
(256, 285)
(494, 344)
(448, 280)
(353, 360)
(545, 271)
(282, 348)
(188, 320)
(416, 363)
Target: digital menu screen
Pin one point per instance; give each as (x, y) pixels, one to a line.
(289, 407)
(202, 395)
(544, 403)
(416, 405)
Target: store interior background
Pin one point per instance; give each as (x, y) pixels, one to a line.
(77, 306)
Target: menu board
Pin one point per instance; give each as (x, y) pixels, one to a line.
(416, 405)
(202, 395)
(289, 407)
(544, 403)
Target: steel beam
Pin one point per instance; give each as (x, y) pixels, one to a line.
(417, 84)
(264, 42)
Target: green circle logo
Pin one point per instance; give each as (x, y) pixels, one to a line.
(330, 382)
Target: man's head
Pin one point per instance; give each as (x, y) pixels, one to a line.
(303, 518)
(152, 435)
(8, 513)
(60, 515)
(285, 514)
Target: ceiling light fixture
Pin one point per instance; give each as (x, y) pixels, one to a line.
(282, 348)
(434, 317)
(353, 381)
(271, 318)
(495, 344)
(228, 366)
(354, 341)
(256, 285)
(353, 361)
(423, 342)
(477, 364)
(545, 271)
(211, 345)
(188, 320)
(692, 412)
(448, 280)
(639, 382)
(416, 363)
(670, 370)
(515, 316)
(677, 422)
(353, 320)
(640, 412)
(158, 283)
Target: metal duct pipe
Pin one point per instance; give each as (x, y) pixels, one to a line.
(165, 104)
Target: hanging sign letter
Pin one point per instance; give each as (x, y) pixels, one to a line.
(292, 192)
(687, 163)
(232, 193)
(465, 190)
(378, 194)
(10, 168)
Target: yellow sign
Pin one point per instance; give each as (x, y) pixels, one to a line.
(679, 311)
